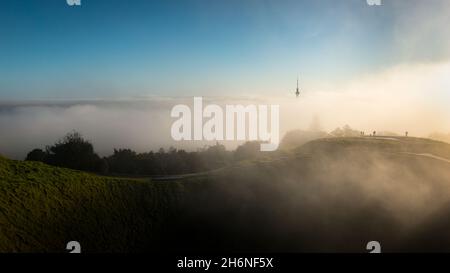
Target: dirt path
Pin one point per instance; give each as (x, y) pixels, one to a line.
(430, 156)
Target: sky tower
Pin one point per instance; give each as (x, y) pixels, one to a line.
(297, 93)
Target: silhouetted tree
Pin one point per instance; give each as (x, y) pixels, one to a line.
(102, 166)
(73, 152)
(123, 161)
(36, 155)
(248, 150)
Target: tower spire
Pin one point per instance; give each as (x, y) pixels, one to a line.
(297, 92)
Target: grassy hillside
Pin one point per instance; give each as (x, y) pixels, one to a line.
(331, 194)
(43, 207)
(381, 144)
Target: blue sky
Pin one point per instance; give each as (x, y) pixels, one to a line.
(118, 48)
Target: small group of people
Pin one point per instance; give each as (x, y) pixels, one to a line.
(375, 133)
(364, 133)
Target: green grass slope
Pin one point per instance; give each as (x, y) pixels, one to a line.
(43, 207)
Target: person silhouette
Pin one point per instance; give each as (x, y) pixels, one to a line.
(406, 133)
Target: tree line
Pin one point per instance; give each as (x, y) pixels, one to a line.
(75, 152)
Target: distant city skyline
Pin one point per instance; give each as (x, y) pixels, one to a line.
(115, 49)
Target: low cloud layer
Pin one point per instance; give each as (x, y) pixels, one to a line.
(403, 98)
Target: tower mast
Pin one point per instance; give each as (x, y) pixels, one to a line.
(297, 92)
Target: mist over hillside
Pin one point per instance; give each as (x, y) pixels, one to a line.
(440, 137)
(331, 194)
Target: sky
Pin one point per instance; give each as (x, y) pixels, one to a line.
(122, 49)
(113, 70)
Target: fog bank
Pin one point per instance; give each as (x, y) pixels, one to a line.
(403, 98)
